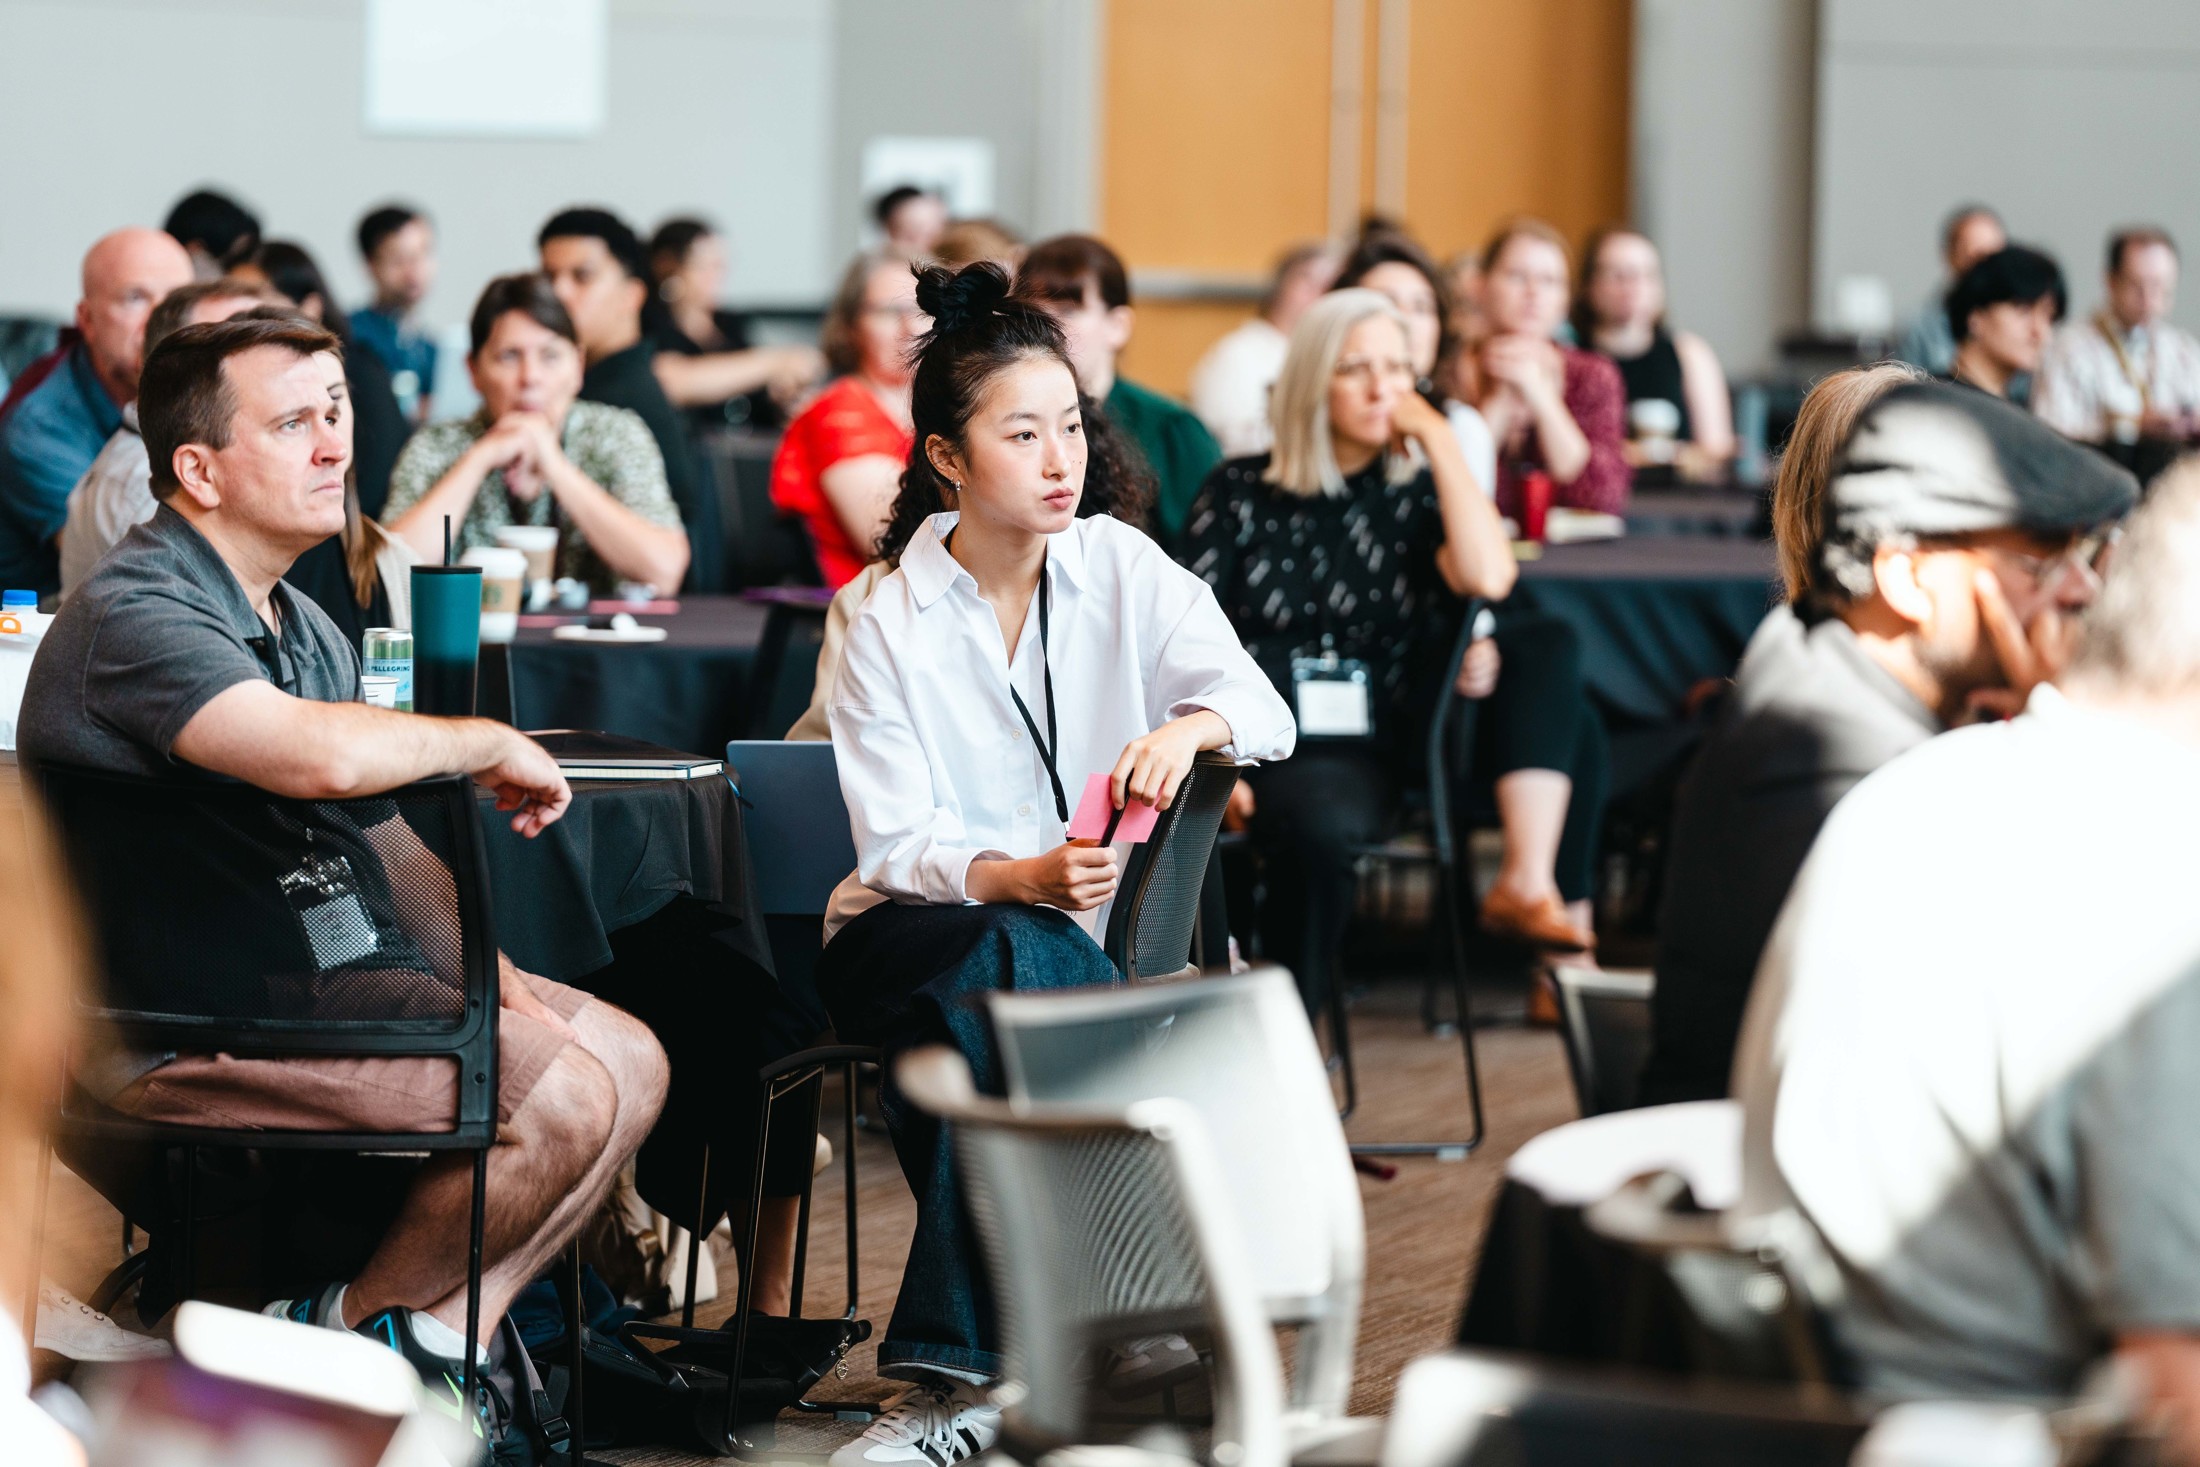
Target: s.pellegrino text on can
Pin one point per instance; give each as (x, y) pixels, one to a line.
(388, 652)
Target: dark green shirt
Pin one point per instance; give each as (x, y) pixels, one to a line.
(1177, 445)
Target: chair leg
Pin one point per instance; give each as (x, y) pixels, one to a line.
(695, 1243)
(1460, 1149)
(848, 1177)
(1340, 1041)
(745, 1293)
(478, 1228)
(186, 1226)
(576, 1328)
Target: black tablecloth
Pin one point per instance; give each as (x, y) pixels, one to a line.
(623, 851)
(1655, 615)
(1734, 512)
(687, 692)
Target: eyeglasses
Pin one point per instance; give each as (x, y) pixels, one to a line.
(2085, 557)
(1369, 370)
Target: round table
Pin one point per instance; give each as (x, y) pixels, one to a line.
(688, 692)
(1656, 615)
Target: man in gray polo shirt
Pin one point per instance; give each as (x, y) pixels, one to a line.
(185, 655)
(1944, 585)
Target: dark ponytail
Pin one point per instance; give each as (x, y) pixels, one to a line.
(979, 330)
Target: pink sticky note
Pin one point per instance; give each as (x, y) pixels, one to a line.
(1091, 820)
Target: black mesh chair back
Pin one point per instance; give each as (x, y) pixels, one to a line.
(785, 671)
(1152, 927)
(230, 920)
(233, 920)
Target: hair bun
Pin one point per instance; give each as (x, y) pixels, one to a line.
(957, 299)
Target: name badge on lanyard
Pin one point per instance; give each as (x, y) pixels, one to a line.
(1333, 697)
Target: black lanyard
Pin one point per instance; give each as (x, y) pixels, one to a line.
(1048, 744)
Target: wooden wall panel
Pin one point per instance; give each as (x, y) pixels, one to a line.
(1216, 153)
(1516, 108)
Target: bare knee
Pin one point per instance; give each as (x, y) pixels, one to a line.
(636, 1062)
(569, 1117)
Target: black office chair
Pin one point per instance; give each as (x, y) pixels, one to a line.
(1606, 1025)
(235, 921)
(765, 547)
(784, 674)
(1155, 930)
(1451, 726)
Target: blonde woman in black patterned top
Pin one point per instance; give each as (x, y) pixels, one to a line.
(1344, 555)
(535, 455)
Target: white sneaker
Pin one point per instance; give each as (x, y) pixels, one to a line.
(933, 1426)
(69, 1326)
(1143, 1367)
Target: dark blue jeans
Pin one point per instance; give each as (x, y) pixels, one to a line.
(903, 976)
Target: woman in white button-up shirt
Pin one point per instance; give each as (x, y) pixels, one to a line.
(1013, 633)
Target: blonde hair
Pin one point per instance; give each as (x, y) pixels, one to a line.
(1831, 409)
(38, 968)
(1305, 461)
(843, 353)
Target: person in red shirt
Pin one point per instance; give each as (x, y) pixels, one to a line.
(1550, 407)
(840, 464)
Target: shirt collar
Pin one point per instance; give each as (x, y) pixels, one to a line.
(929, 569)
(209, 570)
(105, 415)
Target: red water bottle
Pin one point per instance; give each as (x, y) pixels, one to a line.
(1535, 504)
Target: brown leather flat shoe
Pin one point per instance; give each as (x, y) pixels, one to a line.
(1541, 924)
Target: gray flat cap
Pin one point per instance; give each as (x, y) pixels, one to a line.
(1937, 458)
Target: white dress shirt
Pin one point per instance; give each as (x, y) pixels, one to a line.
(1230, 386)
(2090, 383)
(935, 765)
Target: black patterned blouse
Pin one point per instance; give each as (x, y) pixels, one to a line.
(1354, 573)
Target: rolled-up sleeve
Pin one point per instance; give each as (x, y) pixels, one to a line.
(908, 848)
(1203, 665)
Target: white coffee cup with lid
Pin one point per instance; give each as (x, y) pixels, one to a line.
(503, 575)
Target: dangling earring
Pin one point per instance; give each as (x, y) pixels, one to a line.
(955, 485)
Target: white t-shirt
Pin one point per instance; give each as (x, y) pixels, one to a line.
(1971, 1061)
(1230, 387)
(1476, 442)
(936, 766)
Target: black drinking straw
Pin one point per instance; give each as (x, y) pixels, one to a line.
(446, 539)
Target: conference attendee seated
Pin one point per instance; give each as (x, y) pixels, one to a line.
(595, 264)
(1553, 409)
(704, 360)
(1230, 385)
(1821, 430)
(214, 229)
(1118, 482)
(1966, 1073)
(1339, 559)
(378, 424)
(397, 245)
(1016, 652)
(911, 219)
(839, 466)
(1678, 411)
(536, 455)
(67, 405)
(186, 657)
(2125, 373)
(2002, 311)
(1970, 233)
(1393, 266)
(116, 492)
(1960, 537)
(1082, 284)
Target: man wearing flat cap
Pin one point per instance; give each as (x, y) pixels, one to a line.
(1961, 537)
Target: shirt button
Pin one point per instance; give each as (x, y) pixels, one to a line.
(1015, 733)
(1023, 809)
